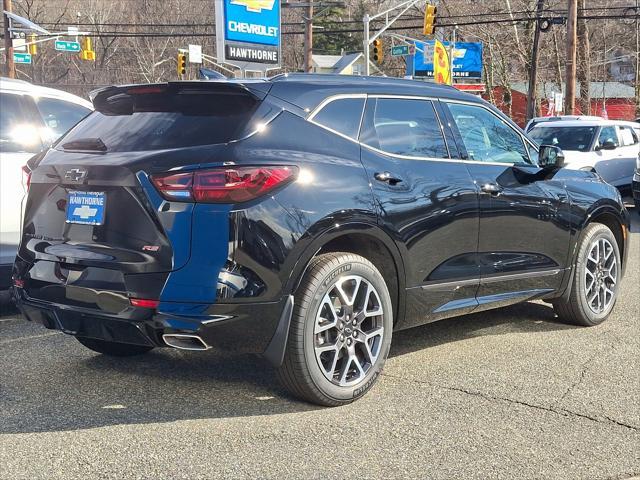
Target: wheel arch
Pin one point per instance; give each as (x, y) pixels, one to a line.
(609, 216)
(364, 239)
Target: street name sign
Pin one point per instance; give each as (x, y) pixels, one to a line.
(66, 46)
(22, 57)
(399, 50)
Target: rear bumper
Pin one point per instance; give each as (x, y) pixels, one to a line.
(243, 328)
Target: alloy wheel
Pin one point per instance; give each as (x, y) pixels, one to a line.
(348, 330)
(601, 275)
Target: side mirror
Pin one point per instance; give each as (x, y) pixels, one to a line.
(550, 156)
(608, 144)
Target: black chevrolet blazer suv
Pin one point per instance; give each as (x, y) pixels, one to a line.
(305, 218)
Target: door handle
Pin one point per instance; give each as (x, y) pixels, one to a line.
(492, 188)
(387, 177)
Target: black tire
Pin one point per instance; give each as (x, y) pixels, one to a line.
(575, 308)
(112, 348)
(301, 372)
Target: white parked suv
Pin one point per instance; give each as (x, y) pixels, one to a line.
(608, 147)
(31, 118)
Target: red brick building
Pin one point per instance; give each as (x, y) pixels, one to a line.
(617, 99)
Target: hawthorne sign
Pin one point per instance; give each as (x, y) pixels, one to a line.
(248, 33)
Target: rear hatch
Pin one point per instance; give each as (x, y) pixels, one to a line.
(93, 219)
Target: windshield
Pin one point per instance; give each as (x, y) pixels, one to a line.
(567, 138)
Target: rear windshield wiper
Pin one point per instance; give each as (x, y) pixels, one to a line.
(86, 145)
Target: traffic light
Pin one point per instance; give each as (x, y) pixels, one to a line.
(182, 64)
(87, 52)
(33, 47)
(429, 20)
(377, 50)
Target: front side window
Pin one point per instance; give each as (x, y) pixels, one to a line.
(404, 127)
(577, 139)
(486, 137)
(608, 134)
(59, 116)
(342, 115)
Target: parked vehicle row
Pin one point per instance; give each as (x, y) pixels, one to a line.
(305, 218)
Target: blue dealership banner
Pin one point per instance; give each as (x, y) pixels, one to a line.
(248, 33)
(252, 21)
(467, 60)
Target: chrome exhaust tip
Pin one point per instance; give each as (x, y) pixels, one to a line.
(183, 341)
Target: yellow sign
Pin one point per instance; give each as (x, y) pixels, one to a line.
(441, 64)
(255, 5)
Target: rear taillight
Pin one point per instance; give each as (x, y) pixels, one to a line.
(144, 303)
(26, 177)
(224, 185)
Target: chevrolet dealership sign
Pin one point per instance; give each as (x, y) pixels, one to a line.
(248, 33)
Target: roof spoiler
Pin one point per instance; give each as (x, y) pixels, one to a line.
(105, 99)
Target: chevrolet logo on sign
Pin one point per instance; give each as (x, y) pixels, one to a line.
(255, 5)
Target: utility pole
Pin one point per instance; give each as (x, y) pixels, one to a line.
(637, 58)
(572, 40)
(8, 41)
(584, 63)
(532, 94)
(308, 38)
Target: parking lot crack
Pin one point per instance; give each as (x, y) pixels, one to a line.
(583, 372)
(493, 398)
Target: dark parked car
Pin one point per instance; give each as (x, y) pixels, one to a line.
(305, 218)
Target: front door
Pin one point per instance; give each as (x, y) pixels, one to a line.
(426, 201)
(523, 240)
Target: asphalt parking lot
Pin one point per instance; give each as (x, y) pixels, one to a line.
(504, 394)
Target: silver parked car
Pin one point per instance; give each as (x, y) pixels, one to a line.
(607, 147)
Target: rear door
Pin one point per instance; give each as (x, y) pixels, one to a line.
(427, 202)
(628, 152)
(19, 141)
(523, 239)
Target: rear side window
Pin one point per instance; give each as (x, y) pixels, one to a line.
(628, 136)
(59, 115)
(159, 121)
(404, 127)
(342, 115)
(18, 131)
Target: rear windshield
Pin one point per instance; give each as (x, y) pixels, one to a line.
(163, 121)
(567, 138)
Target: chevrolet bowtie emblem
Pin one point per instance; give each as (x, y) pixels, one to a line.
(255, 5)
(75, 174)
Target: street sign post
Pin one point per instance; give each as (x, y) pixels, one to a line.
(399, 50)
(195, 53)
(24, 58)
(66, 46)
